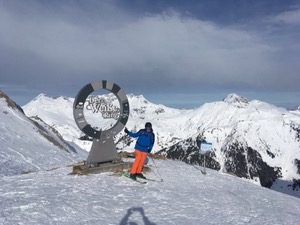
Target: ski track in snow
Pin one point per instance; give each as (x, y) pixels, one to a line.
(29, 161)
(185, 197)
(19, 117)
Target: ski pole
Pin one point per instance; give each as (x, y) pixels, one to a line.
(159, 176)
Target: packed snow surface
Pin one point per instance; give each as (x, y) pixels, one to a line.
(186, 196)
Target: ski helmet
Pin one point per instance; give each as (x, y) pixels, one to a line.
(148, 124)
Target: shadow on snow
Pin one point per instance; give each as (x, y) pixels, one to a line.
(127, 221)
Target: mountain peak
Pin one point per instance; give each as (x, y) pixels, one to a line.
(44, 97)
(139, 98)
(10, 103)
(234, 98)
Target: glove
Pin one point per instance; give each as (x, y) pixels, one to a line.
(126, 131)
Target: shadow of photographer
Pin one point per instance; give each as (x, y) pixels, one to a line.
(140, 210)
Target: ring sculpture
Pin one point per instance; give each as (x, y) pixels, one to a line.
(103, 148)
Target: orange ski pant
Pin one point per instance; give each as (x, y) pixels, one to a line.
(138, 162)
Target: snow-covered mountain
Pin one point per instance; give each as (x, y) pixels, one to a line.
(28, 145)
(186, 196)
(58, 113)
(251, 139)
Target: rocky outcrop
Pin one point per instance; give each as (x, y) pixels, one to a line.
(187, 151)
(246, 162)
(241, 160)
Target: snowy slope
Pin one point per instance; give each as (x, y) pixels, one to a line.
(185, 197)
(28, 146)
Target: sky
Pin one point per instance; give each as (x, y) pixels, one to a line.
(177, 53)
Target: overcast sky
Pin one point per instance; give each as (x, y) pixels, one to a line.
(178, 53)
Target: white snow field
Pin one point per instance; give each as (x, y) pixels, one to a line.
(186, 196)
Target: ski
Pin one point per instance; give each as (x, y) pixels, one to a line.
(139, 181)
(149, 179)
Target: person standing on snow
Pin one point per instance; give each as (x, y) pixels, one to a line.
(144, 145)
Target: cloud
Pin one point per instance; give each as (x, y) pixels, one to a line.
(291, 17)
(70, 44)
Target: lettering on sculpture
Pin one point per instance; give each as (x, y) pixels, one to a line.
(99, 104)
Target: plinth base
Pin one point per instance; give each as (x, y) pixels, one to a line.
(115, 167)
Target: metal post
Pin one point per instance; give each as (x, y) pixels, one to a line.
(204, 164)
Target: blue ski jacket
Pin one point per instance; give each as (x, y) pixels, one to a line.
(145, 140)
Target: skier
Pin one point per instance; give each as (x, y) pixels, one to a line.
(144, 145)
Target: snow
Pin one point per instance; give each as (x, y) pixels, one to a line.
(259, 125)
(37, 188)
(58, 112)
(185, 197)
(25, 147)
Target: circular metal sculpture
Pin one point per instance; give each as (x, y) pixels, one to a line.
(103, 148)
